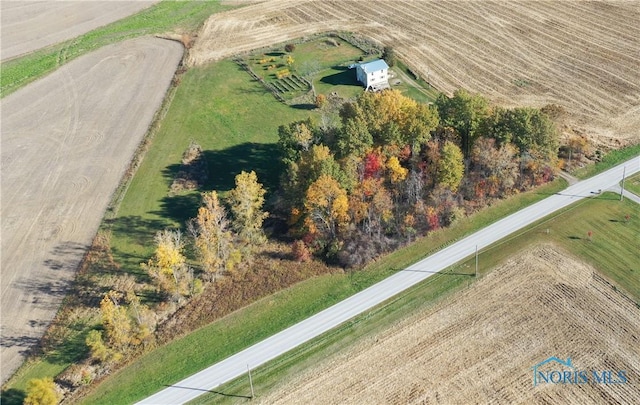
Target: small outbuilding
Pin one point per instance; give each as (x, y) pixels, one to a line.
(373, 75)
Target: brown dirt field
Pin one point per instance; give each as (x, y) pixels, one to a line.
(583, 56)
(479, 346)
(67, 140)
(30, 25)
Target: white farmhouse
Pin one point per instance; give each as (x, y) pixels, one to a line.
(373, 75)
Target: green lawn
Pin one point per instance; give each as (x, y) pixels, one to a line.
(183, 16)
(633, 184)
(234, 120)
(612, 250)
(221, 339)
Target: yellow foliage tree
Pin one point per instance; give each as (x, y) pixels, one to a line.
(450, 166)
(327, 205)
(397, 173)
(168, 265)
(42, 391)
(246, 201)
(116, 321)
(213, 237)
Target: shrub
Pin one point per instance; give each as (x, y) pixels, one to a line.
(289, 47)
(321, 100)
(42, 391)
(300, 251)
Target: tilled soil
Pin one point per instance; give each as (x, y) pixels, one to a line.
(67, 140)
(583, 56)
(480, 345)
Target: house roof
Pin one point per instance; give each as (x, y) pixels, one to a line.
(374, 66)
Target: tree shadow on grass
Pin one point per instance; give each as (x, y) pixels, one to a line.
(180, 208)
(224, 165)
(12, 396)
(344, 78)
(304, 106)
(138, 230)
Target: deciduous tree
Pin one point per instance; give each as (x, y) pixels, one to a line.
(213, 237)
(168, 265)
(246, 201)
(327, 206)
(116, 321)
(465, 112)
(450, 167)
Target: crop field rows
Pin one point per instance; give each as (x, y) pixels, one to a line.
(580, 55)
(462, 351)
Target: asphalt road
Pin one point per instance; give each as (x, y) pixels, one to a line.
(282, 342)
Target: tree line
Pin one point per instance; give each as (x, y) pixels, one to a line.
(391, 170)
(394, 169)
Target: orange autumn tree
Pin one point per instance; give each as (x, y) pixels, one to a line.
(326, 206)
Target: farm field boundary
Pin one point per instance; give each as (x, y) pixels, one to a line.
(567, 230)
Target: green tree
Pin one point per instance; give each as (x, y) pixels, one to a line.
(465, 112)
(389, 56)
(295, 138)
(450, 166)
(98, 350)
(533, 132)
(246, 201)
(42, 391)
(354, 137)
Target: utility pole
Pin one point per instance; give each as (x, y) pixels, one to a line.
(250, 382)
(476, 261)
(624, 172)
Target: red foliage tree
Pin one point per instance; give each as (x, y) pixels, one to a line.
(372, 165)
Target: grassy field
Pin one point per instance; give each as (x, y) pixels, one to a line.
(612, 249)
(234, 120)
(633, 184)
(286, 308)
(180, 16)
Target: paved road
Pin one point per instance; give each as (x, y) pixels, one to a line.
(300, 333)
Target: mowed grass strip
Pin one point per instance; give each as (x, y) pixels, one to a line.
(234, 119)
(633, 184)
(614, 254)
(183, 357)
(182, 16)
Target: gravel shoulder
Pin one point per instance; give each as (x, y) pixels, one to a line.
(31, 25)
(66, 142)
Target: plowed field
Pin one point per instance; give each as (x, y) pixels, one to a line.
(583, 56)
(31, 25)
(66, 142)
(480, 345)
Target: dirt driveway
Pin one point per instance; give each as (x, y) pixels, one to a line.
(66, 142)
(30, 25)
